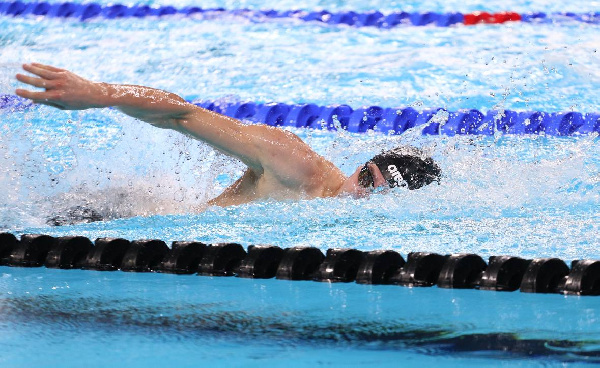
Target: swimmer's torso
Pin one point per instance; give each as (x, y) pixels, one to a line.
(322, 180)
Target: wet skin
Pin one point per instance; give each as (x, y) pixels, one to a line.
(280, 165)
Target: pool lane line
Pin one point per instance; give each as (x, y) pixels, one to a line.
(374, 18)
(391, 120)
(377, 267)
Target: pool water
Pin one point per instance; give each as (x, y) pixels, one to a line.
(530, 196)
(69, 318)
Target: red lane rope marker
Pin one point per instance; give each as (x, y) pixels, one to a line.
(493, 18)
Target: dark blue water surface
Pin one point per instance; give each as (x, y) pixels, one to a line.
(89, 318)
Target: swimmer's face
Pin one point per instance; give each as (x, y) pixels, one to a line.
(366, 179)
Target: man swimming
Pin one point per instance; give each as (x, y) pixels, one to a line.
(280, 165)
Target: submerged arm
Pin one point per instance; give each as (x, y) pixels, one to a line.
(68, 91)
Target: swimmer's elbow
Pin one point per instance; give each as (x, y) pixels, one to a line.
(163, 122)
(166, 118)
(179, 120)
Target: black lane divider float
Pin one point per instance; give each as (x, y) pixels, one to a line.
(458, 271)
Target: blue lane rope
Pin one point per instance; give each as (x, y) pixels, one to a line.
(455, 271)
(87, 11)
(393, 120)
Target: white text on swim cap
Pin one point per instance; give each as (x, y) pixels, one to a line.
(395, 173)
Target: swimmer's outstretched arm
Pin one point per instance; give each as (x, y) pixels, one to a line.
(253, 145)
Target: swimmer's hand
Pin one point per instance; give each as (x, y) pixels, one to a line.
(63, 89)
(68, 91)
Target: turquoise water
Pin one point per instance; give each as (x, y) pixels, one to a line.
(74, 318)
(530, 196)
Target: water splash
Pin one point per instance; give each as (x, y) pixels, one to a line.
(527, 195)
(117, 167)
(521, 195)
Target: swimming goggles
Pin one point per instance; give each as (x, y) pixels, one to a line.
(365, 178)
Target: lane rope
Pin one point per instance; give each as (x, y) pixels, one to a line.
(455, 271)
(84, 12)
(392, 121)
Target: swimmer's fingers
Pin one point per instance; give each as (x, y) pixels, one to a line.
(49, 67)
(34, 81)
(42, 98)
(40, 71)
(45, 98)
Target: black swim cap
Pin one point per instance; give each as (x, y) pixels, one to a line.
(407, 166)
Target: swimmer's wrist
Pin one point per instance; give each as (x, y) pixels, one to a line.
(104, 95)
(114, 95)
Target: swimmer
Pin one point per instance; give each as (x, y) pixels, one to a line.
(280, 165)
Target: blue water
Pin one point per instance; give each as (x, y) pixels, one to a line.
(530, 196)
(74, 318)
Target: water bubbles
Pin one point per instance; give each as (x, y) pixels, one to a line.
(179, 195)
(338, 125)
(440, 117)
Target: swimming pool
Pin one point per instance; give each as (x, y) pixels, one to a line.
(529, 196)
